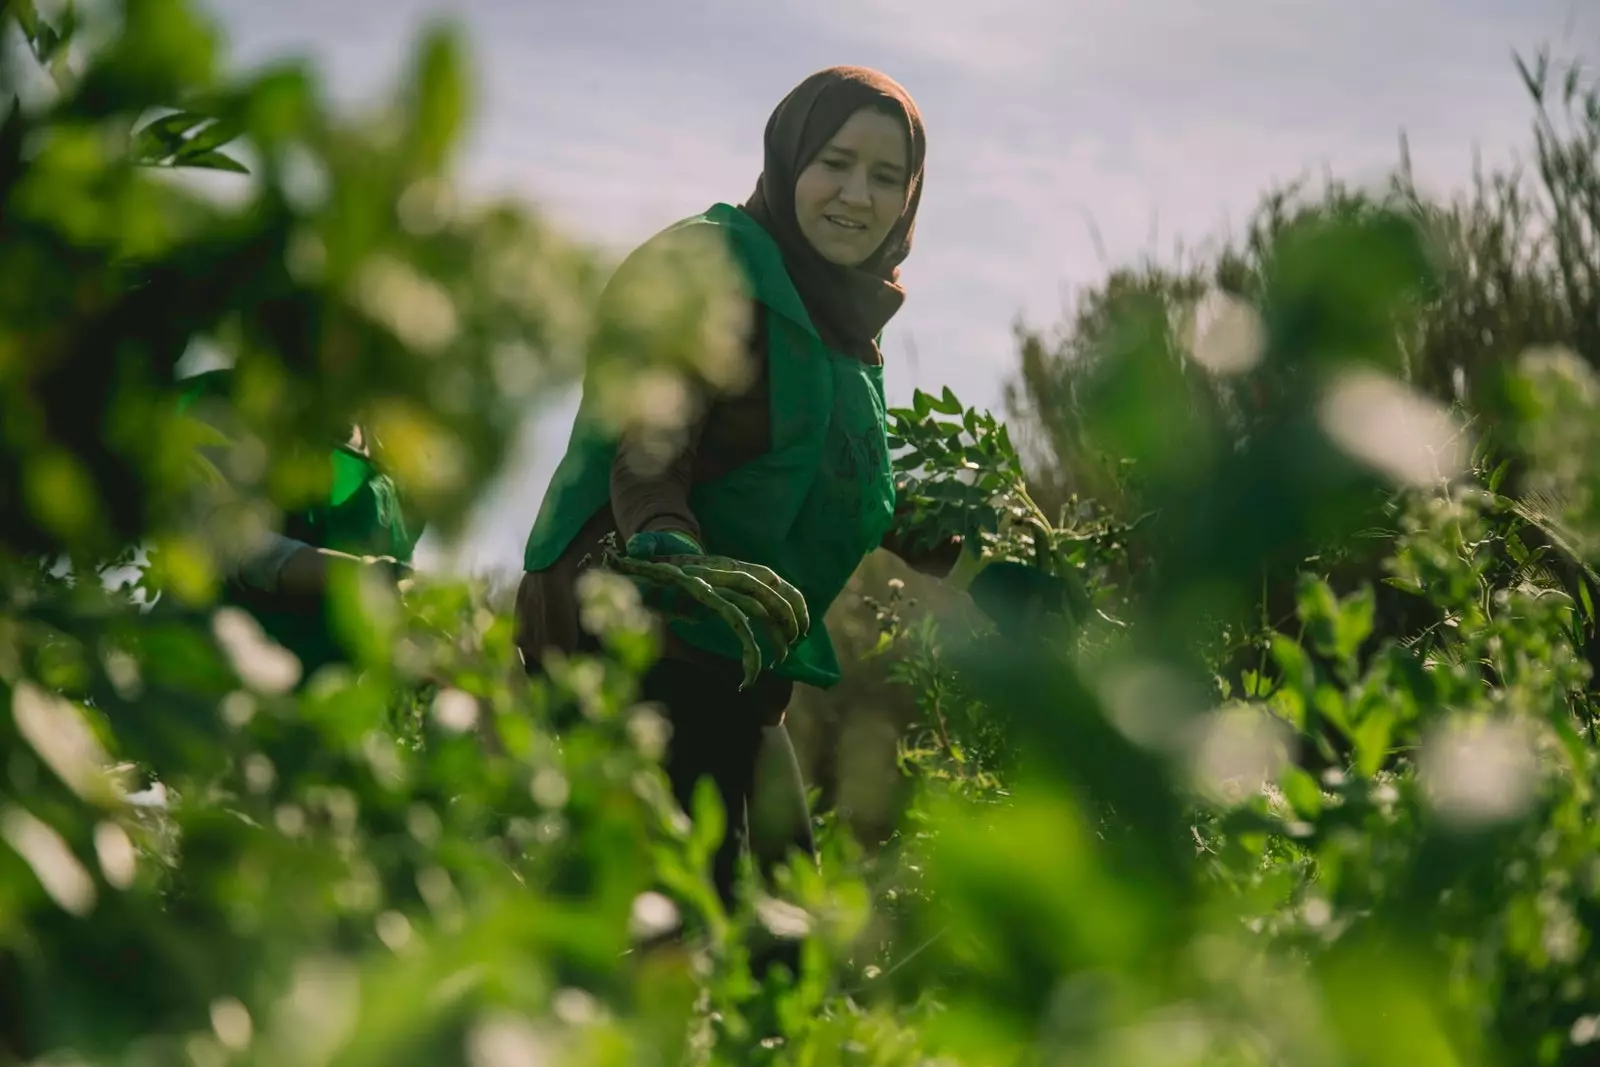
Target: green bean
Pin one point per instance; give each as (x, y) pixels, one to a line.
(750, 650)
(768, 601)
(766, 575)
(777, 637)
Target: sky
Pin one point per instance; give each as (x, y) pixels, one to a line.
(1065, 137)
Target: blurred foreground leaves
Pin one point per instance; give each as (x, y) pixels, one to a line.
(1312, 782)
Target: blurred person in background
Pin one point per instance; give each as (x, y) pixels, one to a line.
(281, 576)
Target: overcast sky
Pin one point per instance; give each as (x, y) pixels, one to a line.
(1154, 120)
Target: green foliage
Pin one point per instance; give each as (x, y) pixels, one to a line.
(1314, 786)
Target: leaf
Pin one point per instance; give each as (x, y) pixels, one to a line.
(213, 161)
(163, 137)
(1499, 475)
(27, 17)
(212, 137)
(1318, 608)
(1353, 623)
(1302, 792)
(1371, 737)
(440, 103)
(1292, 661)
(1516, 550)
(1405, 585)
(946, 404)
(46, 42)
(1533, 82)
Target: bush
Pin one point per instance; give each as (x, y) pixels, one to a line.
(1306, 779)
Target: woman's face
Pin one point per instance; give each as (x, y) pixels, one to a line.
(849, 198)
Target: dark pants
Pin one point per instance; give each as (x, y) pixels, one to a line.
(733, 739)
(721, 734)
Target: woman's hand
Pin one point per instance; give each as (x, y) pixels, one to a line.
(1017, 596)
(675, 576)
(651, 544)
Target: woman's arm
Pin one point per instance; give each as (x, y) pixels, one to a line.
(649, 495)
(278, 563)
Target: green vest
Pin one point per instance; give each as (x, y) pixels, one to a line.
(362, 516)
(811, 508)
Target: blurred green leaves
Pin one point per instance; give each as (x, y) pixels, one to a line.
(1313, 784)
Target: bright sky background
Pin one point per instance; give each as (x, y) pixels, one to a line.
(1149, 121)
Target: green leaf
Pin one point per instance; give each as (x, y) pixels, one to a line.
(1353, 623)
(1371, 736)
(212, 137)
(27, 17)
(213, 161)
(45, 42)
(440, 103)
(1405, 585)
(1499, 475)
(162, 138)
(1302, 792)
(1293, 662)
(947, 404)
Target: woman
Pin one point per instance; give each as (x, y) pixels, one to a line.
(793, 473)
(282, 578)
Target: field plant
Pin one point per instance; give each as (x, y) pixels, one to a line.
(1304, 777)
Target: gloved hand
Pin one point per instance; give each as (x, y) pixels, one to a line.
(675, 576)
(1017, 595)
(652, 543)
(649, 545)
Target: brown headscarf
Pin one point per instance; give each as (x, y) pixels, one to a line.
(848, 305)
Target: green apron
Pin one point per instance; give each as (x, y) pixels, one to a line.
(811, 509)
(362, 517)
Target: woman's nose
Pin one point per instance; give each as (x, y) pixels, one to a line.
(855, 189)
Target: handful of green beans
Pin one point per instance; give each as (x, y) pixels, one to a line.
(745, 596)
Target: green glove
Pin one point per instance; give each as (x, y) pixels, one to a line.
(651, 544)
(658, 544)
(676, 577)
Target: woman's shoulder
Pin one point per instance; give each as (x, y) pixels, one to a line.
(719, 230)
(704, 250)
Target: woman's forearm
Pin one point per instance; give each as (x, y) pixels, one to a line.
(648, 494)
(278, 558)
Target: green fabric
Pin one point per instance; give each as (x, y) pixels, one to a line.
(811, 509)
(363, 516)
